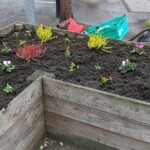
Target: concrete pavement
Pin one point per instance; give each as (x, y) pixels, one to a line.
(86, 11)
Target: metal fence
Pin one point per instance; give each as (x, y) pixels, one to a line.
(19, 10)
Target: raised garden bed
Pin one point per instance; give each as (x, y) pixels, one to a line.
(71, 111)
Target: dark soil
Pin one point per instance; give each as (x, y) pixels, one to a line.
(134, 84)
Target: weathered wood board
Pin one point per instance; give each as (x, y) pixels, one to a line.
(124, 119)
(23, 120)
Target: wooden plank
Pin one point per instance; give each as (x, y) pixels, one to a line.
(23, 118)
(19, 105)
(76, 141)
(57, 124)
(110, 122)
(6, 30)
(33, 136)
(22, 126)
(98, 100)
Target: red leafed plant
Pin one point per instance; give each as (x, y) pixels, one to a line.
(30, 52)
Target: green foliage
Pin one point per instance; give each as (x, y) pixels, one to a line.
(22, 42)
(98, 42)
(67, 40)
(139, 50)
(67, 52)
(73, 67)
(147, 23)
(8, 89)
(104, 80)
(7, 66)
(44, 33)
(127, 66)
(16, 34)
(5, 50)
(28, 33)
(97, 67)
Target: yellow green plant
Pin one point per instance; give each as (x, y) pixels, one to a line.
(44, 33)
(147, 23)
(98, 42)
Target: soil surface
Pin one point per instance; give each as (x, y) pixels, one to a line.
(134, 84)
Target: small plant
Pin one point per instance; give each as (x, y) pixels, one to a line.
(30, 52)
(104, 80)
(22, 42)
(67, 52)
(139, 49)
(98, 42)
(5, 50)
(8, 89)
(97, 67)
(7, 66)
(67, 40)
(44, 33)
(127, 66)
(16, 34)
(73, 67)
(28, 33)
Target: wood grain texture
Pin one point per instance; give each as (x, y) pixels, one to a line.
(106, 121)
(57, 124)
(98, 100)
(6, 30)
(23, 118)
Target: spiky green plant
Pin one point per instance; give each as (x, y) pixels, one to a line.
(44, 33)
(98, 42)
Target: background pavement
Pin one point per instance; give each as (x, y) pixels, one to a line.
(85, 11)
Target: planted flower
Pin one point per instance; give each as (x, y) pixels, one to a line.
(73, 67)
(28, 33)
(67, 52)
(44, 33)
(7, 66)
(67, 40)
(16, 34)
(8, 89)
(104, 80)
(5, 50)
(97, 67)
(139, 49)
(99, 43)
(127, 66)
(31, 52)
(22, 42)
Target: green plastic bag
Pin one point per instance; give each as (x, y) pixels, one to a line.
(115, 28)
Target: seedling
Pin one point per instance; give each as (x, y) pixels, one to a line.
(104, 80)
(97, 67)
(5, 50)
(16, 34)
(127, 66)
(67, 52)
(139, 50)
(98, 42)
(22, 42)
(28, 33)
(67, 40)
(73, 67)
(7, 66)
(8, 89)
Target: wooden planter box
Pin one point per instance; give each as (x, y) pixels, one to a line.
(83, 116)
